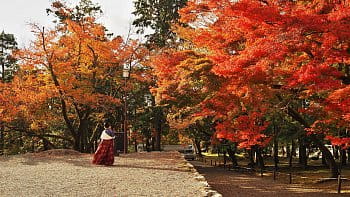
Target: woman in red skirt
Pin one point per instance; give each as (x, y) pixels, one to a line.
(104, 154)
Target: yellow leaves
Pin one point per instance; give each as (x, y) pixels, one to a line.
(34, 126)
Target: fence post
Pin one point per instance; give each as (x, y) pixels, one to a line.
(274, 174)
(290, 177)
(211, 162)
(339, 184)
(215, 163)
(261, 172)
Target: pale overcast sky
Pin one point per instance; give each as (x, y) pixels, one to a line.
(16, 14)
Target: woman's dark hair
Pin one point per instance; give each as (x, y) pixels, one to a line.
(106, 124)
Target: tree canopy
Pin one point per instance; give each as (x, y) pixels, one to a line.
(157, 15)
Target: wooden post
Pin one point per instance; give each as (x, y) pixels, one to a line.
(211, 162)
(215, 163)
(339, 184)
(290, 177)
(261, 172)
(274, 174)
(290, 163)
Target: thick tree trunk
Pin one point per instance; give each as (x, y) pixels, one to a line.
(158, 126)
(324, 162)
(335, 152)
(251, 163)
(83, 138)
(325, 152)
(148, 148)
(76, 145)
(158, 136)
(197, 143)
(135, 145)
(343, 157)
(328, 156)
(288, 150)
(259, 157)
(302, 152)
(152, 143)
(232, 155)
(61, 93)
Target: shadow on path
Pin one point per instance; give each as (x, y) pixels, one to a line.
(230, 183)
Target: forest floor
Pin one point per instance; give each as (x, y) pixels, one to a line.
(69, 173)
(244, 183)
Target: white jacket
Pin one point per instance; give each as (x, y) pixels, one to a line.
(105, 136)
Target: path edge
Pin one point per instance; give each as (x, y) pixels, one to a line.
(209, 191)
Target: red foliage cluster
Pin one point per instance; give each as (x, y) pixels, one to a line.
(257, 46)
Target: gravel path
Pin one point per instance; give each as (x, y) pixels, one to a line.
(235, 184)
(71, 174)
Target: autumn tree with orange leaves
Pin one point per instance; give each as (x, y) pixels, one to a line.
(184, 81)
(70, 74)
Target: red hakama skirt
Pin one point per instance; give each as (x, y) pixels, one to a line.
(104, 154)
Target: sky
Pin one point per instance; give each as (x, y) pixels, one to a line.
(15, 15)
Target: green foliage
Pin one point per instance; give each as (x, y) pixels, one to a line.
(8, 63)
(82, 11)
(157, 15)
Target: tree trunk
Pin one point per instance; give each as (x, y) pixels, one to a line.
(2, 139)
(158, 124)
(290, 162)
(327, 154)
(135, 145)
(232, 154)
(335, 152)
(324, 162)
(343, 157)
(288, 150)
(76, 145)
(293, 151)
(197, 144)
(158, 136)
(275, 152)
(302, 152)
(275, 144)
(148, 148)
(82, 132)
(251, 152)
(152, 143)
(259, 157)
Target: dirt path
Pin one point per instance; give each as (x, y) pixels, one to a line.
(230, 183)
(71, 174)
